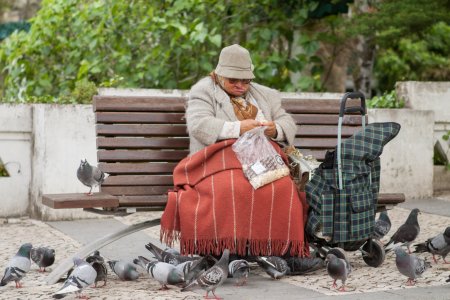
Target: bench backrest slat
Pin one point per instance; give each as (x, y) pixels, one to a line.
(140, 139)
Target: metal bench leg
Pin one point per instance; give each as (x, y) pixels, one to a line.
(65, 265)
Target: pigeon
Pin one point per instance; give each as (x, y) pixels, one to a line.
(168, 255)
(162, 272)
(18, 266)
(98, 263)
(125, 270)
(43, 256)
(410, 265)
(210, 279)
(82, 276)
(338, 269)
(438, 245)
(407, 232)
(239, 270)
(382, 226)
(304, 265)
(90, 176)
(275, 266)
(191, 269)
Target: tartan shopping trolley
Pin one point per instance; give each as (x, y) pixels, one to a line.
(343, 191)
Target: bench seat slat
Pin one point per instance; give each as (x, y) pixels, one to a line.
(141, 155)
(140, 117)
(138, 180)
(138, 168)
(314, 143)
(139, 103)
(139, 143)
(121, 190)
(152, 200)
(318, 119)
(142, 130)
(311, 106)
(324, 131)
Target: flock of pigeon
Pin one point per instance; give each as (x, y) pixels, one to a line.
(171, 268)
(168, 267)
(408, 264)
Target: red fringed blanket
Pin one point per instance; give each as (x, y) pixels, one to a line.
(214, 207)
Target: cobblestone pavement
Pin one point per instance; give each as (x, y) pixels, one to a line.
(363, 278)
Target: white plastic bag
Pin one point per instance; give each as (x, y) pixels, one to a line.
(260, 161)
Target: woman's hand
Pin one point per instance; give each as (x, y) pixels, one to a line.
(271, 130)
(248, 124)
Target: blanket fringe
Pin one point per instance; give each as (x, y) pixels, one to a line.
(240, 247)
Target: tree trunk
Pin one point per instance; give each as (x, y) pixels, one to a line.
(364, 55)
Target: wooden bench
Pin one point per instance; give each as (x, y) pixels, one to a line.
(140, 139)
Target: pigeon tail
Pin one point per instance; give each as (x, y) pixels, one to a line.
(420, 248)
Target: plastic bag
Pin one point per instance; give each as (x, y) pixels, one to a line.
(260, 161)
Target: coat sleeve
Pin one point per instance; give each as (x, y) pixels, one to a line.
(201, 119)
(282, 118)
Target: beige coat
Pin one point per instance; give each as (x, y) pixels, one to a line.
(209, 107)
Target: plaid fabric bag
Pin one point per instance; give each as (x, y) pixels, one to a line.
(348, 213)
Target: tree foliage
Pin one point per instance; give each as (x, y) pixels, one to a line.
(412, 39)
(149, 44)
(75, 45)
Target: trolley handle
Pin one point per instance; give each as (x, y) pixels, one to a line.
(361, 109)
(353, 95)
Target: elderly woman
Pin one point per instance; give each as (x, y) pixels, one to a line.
(213, 205)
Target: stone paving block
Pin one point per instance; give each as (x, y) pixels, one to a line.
(362, 280)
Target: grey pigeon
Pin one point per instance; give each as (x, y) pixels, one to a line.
(382, 226)
(82, 276)
(162, 272)
(90, 176)
(407, 232)
(43, 256)
(125, 270)
(275, 266)
(410, 265)
(98, 263)
(168, 255)
(18, 266)
(210, 279)
(338, 269)
(438, 245)
(239, 270)
(191, 269)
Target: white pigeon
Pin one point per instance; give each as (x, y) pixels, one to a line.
(82, 276)
(18, 266)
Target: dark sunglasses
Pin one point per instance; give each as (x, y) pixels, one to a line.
(243, 81)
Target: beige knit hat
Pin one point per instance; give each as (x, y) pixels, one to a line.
(235, 62)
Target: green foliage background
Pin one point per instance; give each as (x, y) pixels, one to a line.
(75, 46)
(148, 44)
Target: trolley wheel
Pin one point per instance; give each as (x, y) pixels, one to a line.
(373, 253)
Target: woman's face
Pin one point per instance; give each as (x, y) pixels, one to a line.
(236, 87)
